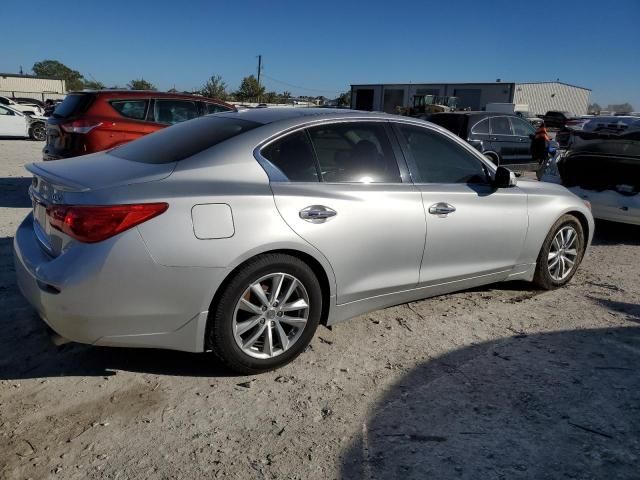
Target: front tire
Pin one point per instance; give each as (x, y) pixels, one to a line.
(267, 314)
(561, 253)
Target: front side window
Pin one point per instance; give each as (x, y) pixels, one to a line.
(438, 159)
(136, 109)
(501, 126)
(6, 111)
(481, 128)
(174, 111)
(293, 156)
(355, 152)
(521, 127)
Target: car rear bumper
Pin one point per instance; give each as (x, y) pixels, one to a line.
(113, 293)
(612, 206)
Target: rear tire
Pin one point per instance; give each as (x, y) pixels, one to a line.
(38, 132)
(250, 330)
(561, 253)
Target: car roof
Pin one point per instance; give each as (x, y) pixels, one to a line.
(277, 114)
(120, 93)
(478, 112)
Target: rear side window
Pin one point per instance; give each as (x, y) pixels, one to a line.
(183, 140)
(73, 105)
(174, 111)
(355, 152)
(136, 109)
(454, 123)
(500, 126)
(522, 127)
(293, 155)
(214, 108)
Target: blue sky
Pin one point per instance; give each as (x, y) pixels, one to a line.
(321, 48)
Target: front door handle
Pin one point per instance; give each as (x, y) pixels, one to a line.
(441, 208)
(317, 213)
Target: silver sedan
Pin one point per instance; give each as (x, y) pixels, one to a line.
(241, 232)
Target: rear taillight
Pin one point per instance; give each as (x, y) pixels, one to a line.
(80, 126)
(94, 223)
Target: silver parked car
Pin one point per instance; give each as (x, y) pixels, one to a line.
(241, 232)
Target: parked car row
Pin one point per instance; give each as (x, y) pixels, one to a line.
(26, 106)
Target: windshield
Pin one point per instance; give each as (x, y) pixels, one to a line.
(183, 140)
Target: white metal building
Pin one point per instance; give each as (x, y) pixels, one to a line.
(14, 85)
(544, 96)
(540, 96)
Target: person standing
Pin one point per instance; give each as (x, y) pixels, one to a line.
(540, 149)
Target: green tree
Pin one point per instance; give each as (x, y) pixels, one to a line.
(250, 89)
(620, 107)
(215, 88)
(54, 69)
(94, 85)
(271, 97)
(140, 84)
(344, 100)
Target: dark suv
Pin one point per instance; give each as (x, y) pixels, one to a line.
(91, 121)
(505, 139)
(553, 119)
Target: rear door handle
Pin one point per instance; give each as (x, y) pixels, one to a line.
(317, 213)
(441, 208)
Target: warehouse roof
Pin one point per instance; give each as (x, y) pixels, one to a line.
(17, 75)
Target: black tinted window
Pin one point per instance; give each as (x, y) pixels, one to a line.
(482, 127)
(174, 111)
(355, 152)
(213, 108)
(453, 122)
(293, 155)
(136, 109)
(522, 127)
(183, 140)
(73, 105)
(500, 126)
(440, 160)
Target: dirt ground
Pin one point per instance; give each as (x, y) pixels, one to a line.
(503, 382)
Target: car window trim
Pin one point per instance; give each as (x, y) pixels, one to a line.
(415, 174)
(276, 175)
(483, 119)
(501, 134)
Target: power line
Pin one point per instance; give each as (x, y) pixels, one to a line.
(299, 87)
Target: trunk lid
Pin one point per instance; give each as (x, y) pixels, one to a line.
(58, 142)
(53, 181)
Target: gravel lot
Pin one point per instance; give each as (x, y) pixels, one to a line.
(499, 382)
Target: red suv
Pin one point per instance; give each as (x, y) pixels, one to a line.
(91, 121)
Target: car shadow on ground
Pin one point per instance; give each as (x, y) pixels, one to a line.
(14, 192)
(612, 233)
(553, 405)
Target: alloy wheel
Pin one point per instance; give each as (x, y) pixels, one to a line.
(562, 253)
(270, 315)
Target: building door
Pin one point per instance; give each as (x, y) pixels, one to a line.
(468, 98)
(364, 99)
(393, 98)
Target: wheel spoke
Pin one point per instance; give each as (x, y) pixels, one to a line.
(563, 267)
(290, 290)
(284, 340)
(556, 243)
(569, 262)
(573, 252)
(293, 321)
(247, 325)
(268, 342)
(571, 237)
(276, 285)
(299, 304)
(247, 306)
(552, 255)
(256, 288)
(251, 340)
(553, 264)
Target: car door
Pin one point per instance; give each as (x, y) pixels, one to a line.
(12, 124)
(479, 135)
(522, 131)
(502, 139)
(473, 229)
(338, 186)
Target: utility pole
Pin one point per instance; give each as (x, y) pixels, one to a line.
(259, 72)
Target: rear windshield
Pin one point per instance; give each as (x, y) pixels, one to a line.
(183, 140)
(454, 123)
(73, 105)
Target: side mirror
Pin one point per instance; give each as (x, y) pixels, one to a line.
(504, 178)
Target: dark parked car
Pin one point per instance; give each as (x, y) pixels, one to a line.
(553, 119)
(91, 121)
(503, 138)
